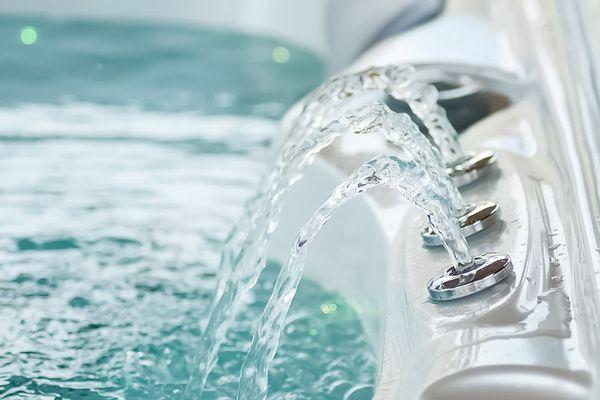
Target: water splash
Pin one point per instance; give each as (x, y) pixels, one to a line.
(404, 175)
(244, 251)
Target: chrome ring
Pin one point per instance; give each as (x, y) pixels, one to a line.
(480, 216)
(487, 270)
(471, 167)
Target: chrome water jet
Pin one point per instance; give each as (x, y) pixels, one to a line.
(466, 275)
(463, 168)
(399, 130)
(245, 249)
(478, 217)
(405, 83)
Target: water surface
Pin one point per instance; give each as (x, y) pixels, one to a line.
(126, 154)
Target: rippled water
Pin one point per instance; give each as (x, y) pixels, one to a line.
(126, 153)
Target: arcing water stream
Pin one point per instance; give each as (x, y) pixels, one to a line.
(245, 249)
(407, 176)
(422, 99)
(399, 130)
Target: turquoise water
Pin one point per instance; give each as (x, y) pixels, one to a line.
(126, 154)
(155, 67)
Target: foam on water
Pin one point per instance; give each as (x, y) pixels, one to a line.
(126, 153)
(76, 120)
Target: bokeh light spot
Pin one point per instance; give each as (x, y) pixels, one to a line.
(28, 35)
(281, 55)
(328, 308)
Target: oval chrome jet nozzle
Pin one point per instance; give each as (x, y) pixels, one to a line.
(487, 270)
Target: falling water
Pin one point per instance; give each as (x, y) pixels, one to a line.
(244, 251)
(399, 130)
(414, 183)
(398, 82)
(422, 98)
